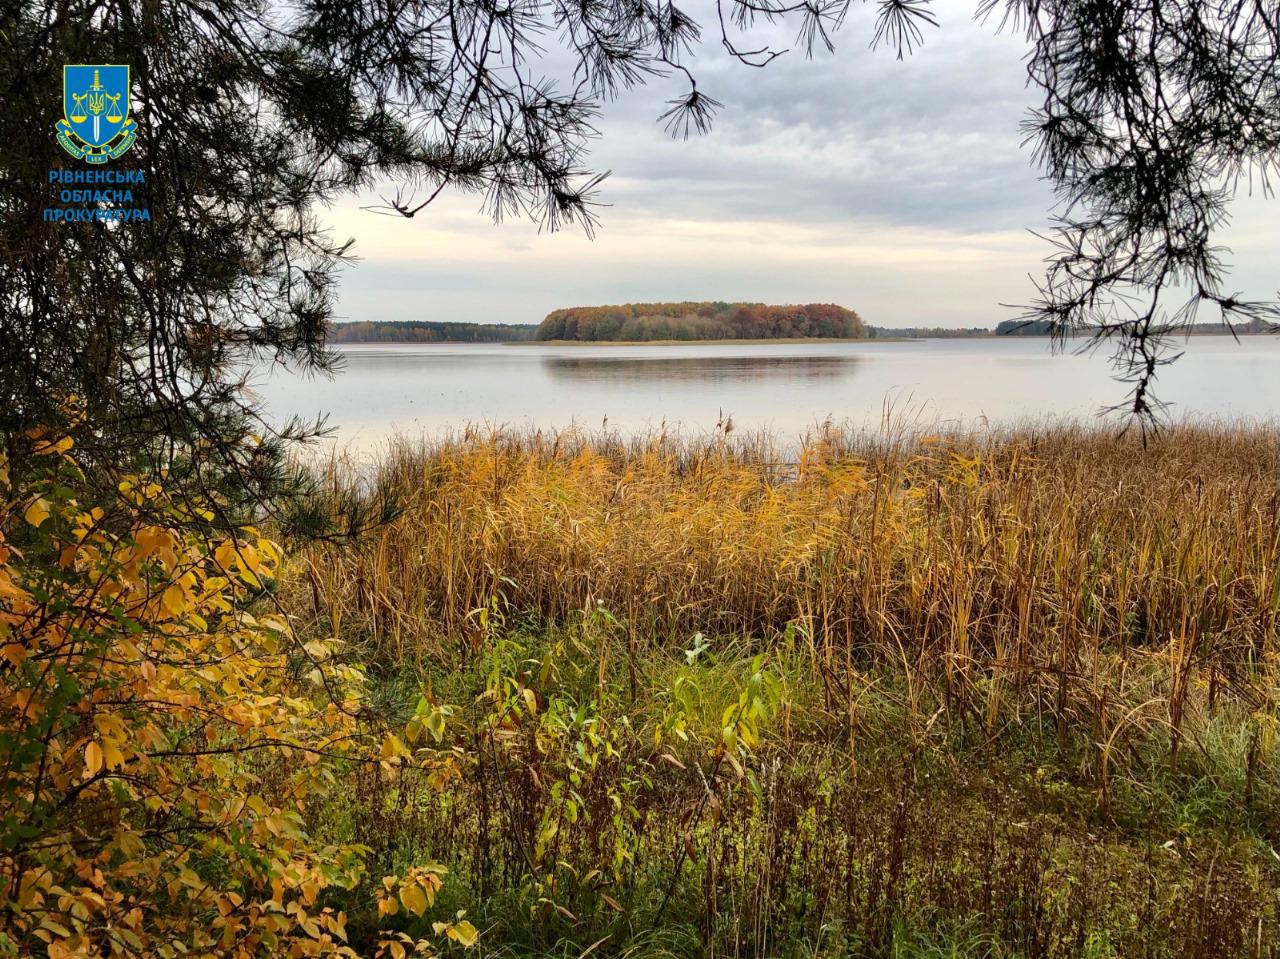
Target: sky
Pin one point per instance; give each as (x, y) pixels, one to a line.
(899, 189)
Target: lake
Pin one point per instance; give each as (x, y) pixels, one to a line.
(411, 389)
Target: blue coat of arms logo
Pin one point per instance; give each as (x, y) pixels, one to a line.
(95, 124)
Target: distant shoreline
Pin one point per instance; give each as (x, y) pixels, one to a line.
(722, 342)
(749, 342)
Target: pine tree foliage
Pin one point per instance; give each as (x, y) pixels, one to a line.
(1154, 115)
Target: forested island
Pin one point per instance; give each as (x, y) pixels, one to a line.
(718, 320)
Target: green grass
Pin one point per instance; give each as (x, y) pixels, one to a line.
(819, 839)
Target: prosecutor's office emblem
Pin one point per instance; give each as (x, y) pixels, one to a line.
(95, 124)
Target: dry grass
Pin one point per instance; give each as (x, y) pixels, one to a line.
(1014, 569)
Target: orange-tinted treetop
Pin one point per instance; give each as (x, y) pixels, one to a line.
(701, 321)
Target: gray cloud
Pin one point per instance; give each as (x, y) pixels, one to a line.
(929, 141)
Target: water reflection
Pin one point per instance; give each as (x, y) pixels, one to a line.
(653, 370)
(429, 357)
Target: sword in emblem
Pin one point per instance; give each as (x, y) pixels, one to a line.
(97, 103)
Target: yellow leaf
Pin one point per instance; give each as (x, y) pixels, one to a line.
(249, 558)
(225, 555)
(392, 747)
(414, 899)
(47, 448)
(175, 600)
(92, 759)
(464, 933)
(270, 551)
(38, 511)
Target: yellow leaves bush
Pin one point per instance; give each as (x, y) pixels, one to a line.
(415, 893)
(160, 745)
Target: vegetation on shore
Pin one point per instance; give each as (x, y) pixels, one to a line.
(1045, 328)
(761, 342)
(701, 321)
(429, 331)
(164, 737)
(999, 695)
(927, 332)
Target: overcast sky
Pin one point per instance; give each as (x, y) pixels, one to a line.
(899, 189)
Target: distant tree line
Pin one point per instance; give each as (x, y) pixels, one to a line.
(925, 332)
(644, 322)
(1023, 328)
(1045, 328)
(733, 321)
(641, 322)
(430, 331)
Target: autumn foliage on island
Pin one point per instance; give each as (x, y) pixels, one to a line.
(701, 321)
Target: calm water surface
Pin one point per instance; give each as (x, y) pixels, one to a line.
(389, 389)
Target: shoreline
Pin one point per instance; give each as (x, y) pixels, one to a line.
(750, 342)
(747, 342)
(744, 342)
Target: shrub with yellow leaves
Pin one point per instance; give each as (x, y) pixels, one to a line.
(161, 744)
(415, 893)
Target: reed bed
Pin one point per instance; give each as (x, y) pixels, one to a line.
(1008, 565)
(1019, 685)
